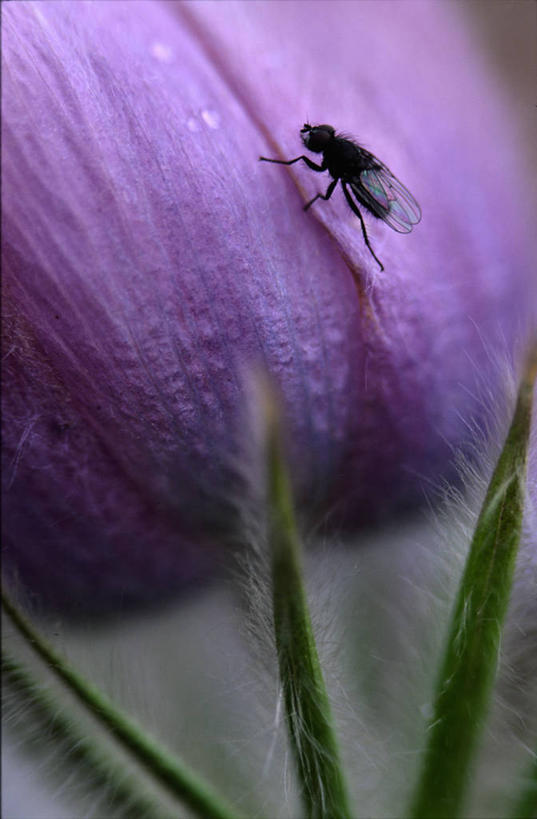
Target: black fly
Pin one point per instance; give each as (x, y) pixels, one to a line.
(370, 181)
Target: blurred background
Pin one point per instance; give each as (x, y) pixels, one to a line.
(507, 30)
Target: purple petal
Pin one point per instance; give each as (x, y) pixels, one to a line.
(149, 261)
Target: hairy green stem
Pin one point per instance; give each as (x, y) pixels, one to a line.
(308, 715)
(165, 768)
(471, 656)
(94, 766)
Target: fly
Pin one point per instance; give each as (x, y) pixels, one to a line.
(365, 180)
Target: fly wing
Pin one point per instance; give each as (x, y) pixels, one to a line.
(382, 193)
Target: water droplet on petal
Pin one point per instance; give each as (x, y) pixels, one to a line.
(162, 52)
(211, 118)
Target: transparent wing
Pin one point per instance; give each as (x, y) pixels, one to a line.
(382, 193)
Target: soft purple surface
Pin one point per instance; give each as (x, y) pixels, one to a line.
(149, 260)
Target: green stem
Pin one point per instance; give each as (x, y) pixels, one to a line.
(164, 767)
(125, 794)
(471, 655)
(308, 715)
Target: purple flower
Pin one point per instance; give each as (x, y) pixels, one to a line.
(150, 260)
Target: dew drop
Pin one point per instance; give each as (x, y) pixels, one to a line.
(211, 118)
(162, 52)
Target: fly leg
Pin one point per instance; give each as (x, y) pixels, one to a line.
(306, 159)
(355, 209)
(325, 196)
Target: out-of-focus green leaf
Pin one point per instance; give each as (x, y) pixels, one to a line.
(95, 769)
(157, 762)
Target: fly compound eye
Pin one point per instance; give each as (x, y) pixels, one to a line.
(318, 138)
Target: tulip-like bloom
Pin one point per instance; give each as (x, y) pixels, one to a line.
(149, 261)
